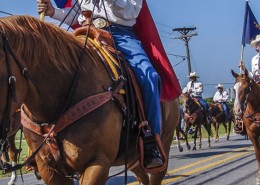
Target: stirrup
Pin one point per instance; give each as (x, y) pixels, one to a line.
(157, 166)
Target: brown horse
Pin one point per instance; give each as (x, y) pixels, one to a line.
(247, 107)
(219, 117)
(194, 116)
(49, 58)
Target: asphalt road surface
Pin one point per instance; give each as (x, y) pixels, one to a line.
(225, 163)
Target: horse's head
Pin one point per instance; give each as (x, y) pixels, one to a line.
(186, 101)
(242, 89)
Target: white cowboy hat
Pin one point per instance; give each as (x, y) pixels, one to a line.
(255, 41)
(219, 86)
(193, 74)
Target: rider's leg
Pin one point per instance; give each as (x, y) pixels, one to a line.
(206, 108)
(226, 110)
(149, 82)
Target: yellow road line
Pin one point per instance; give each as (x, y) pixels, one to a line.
(197, 163)
(204, 168)
(205, 160)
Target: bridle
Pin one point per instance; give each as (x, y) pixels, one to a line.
(247, 91)
(11, 89)
(190, 106)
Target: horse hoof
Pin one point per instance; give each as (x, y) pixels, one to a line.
(188, 147)
(37, 175)
(181, 149)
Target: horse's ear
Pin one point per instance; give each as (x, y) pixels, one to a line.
(234, 74)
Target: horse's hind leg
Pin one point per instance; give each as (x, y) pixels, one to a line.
(228, 129)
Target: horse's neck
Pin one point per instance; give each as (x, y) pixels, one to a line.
(254, 97)
(194, 106)
(52, 91)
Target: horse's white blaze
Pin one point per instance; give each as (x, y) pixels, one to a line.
(237, 106)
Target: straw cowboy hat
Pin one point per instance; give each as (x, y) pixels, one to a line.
(219, 86)
(193, 74)
(255, 41)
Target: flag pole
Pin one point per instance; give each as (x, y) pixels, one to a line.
(42, 15)
(241, 58)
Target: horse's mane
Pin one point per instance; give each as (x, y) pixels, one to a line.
(31, 37)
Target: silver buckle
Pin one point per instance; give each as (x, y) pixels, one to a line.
(100, 23)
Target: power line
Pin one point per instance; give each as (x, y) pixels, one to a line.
(163, 25)
(5, 13)
(176, 55)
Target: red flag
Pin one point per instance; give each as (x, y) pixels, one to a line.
(149, 36)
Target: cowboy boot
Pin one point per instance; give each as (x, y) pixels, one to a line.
(152, 156)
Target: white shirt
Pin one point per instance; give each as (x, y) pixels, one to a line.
(255, 63)
(123, 12)
(221, 96)
(196, 89)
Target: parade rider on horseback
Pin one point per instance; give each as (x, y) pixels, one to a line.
(122, 17)
(195, 88)
(255, 62)
(221, 96)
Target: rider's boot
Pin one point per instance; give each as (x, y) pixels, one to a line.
(152, 156)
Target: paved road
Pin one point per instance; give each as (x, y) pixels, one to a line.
(225, 163)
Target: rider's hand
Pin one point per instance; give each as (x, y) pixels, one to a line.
(46, 7)
(242, 65)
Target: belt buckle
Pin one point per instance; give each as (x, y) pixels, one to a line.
(100, 23)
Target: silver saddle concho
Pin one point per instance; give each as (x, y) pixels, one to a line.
(256, 76)
(100, 23)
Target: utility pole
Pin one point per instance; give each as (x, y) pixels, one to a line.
(186, 34)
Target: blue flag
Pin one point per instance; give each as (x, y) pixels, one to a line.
(62, 3)
(251, 27)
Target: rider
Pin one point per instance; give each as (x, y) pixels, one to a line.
(221, 97)
(122, 16)
(255, 62)
(195, 88)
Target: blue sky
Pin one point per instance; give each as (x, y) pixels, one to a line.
(213, 52)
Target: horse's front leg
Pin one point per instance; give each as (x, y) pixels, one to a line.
(13, 153)
(178, 138)
(187, 127)
(256, 143)
(95, 174)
